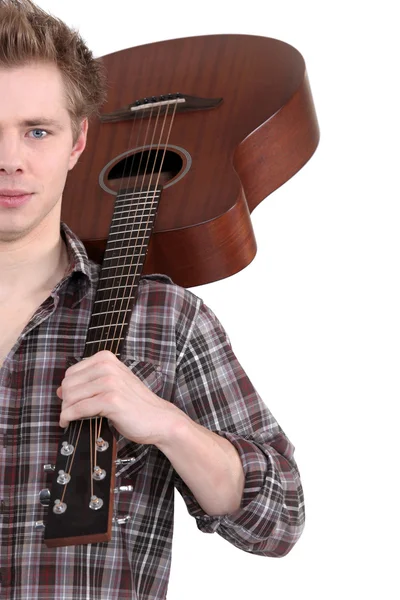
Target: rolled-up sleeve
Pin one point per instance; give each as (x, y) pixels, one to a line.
(213, 389)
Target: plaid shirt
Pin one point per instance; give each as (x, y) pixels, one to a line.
(178, 348)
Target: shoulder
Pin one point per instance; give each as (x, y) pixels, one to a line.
(159, 295)
(162, 320)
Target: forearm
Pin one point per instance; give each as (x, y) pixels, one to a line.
(208, 464)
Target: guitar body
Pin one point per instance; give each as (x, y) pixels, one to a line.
(221, 162)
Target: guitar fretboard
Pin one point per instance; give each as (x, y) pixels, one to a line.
(128, 239)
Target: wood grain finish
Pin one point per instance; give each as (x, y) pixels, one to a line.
(236, 154)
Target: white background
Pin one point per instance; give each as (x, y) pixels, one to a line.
(314, 319)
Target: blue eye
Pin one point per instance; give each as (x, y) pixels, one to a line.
(40, 133)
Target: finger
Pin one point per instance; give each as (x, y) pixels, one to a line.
(89, 389)
(85, 408)
(90, 372)
(101, 360)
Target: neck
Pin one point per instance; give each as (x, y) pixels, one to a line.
(32, 264)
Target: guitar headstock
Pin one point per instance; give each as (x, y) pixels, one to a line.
(82, 490)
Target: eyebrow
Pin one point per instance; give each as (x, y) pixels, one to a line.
(39, 121)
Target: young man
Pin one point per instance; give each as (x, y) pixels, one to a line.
(182, 405)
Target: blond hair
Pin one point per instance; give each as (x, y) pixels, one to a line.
(29, 34)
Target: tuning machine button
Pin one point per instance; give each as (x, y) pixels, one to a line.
(63, 477)
(66, 449)
(124, 461)
(44, 497)
(95, 503)
(59, 507)
(123, 488)
(49, 468)
(40, 526)
(101, 445)
(122, 519)
(98, 473)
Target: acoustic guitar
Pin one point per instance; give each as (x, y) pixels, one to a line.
(196, 132)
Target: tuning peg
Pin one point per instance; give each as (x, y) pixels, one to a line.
(40, 526)
(123, 488)
(48, 468)
(67, 449)
(44, 497)
(121, 520)
(101, 444)
(124, 461)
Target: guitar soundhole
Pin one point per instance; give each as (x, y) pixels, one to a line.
(145, 167)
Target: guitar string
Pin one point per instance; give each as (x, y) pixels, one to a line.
(97, 431)
(131, 209)
(91, 457)
(72, 461)
(131, 263)
(105, 324)
(134, 211)
(103, 318)
(135, 247)
(71, 437)
(114, 280)
(139, 245)
(72, 440)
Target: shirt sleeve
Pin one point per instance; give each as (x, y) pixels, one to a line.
(213, 390)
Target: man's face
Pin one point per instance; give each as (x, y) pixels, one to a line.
(36, 147)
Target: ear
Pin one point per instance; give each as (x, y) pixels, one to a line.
(79, 145)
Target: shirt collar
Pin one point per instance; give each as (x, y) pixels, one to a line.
(78, 258)
(81, 269)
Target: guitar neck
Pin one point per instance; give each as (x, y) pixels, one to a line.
(128, 239)
(81, 504)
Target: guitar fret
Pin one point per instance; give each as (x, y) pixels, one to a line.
(136, 249)
(127, 217)
(134, 218)
(131, 223)
(147, 204)
(104, 340)
(118, 275)
(138, 206)
(115, 287)
(138, 201)
(136, 209)
(112, 300)
(139, 237)
(129, 239)
(140, 193)
(105, 325)
(130, 245)
(117, 257)
(107, 312)
(128, 265)
(117, 233)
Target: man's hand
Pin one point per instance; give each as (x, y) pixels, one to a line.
(210, 465)
(102, 385)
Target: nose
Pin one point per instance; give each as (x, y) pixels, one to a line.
(10, 155)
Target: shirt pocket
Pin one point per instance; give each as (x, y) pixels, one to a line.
(152, 376)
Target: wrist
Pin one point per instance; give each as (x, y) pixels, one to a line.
(174, 423)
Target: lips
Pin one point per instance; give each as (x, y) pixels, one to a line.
(11, 193)
(14, 198)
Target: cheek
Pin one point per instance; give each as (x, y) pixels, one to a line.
(57, 174)
(51, 173)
